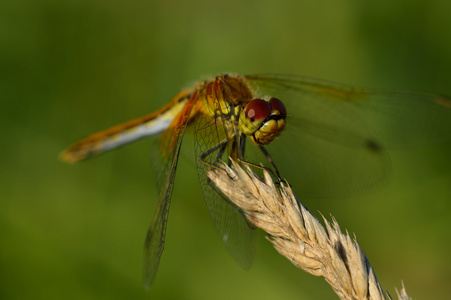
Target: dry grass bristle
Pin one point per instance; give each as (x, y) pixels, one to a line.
(298, 235)
(402, 295)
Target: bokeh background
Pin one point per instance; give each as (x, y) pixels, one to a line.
(68, 68)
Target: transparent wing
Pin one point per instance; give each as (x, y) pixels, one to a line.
(165, 158)
(337, 137)
(215, 142)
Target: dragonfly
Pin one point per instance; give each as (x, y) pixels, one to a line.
(330, 138)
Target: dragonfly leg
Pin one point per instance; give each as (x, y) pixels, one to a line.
(274, 173)
(278, 179)
(215, 165)
(269, 159)
(221, 147)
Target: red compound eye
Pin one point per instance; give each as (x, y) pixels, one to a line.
(276, 104)
(258, 109)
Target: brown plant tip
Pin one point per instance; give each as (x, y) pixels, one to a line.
(402, 295)
(297, 234)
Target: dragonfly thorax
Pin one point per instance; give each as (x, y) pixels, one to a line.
(263, 120)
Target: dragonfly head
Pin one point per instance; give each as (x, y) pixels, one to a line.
(263, 120)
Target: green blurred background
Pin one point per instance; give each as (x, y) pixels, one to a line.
(68, 68)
